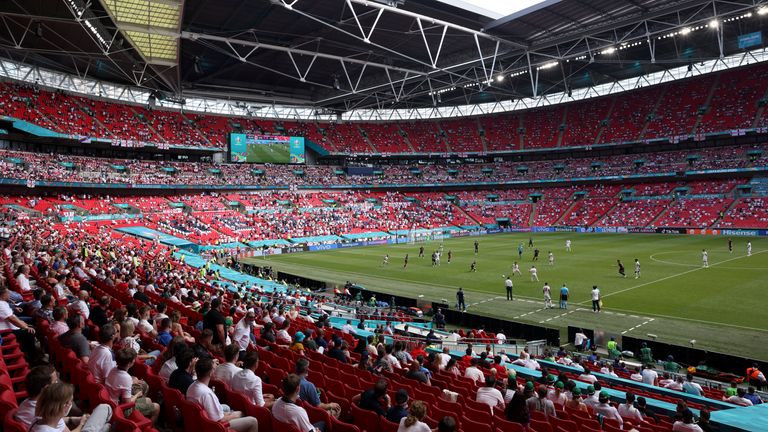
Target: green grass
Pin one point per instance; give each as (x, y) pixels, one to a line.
(273, 153)
(722, 307)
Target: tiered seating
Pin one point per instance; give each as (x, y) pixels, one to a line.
(747, 213)
(121, 120)
(311, 131)
(583, 121)
(694, 212)
(588, 210)
(173, 127)
(346, 137)
(462, 135)
(517, 214)
(629, 115)
(542, 127)
(734, 104)
(424, 137)
(203, 202)
(24, 102)
(638, 213)
(386, 138)
(501, 131)
(677, 113)
(215, 128)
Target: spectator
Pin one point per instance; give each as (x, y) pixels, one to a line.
(540, 403)
(99, 315)
(704, 423)
(650, 377)
(575, 403)
(102, 360)
(592, 399)
(170, 364)
(164, 336)
(297, 346)
(415, 373)
(36, 380)
(691, 387)
(446, 424)
(243, 335)
(310, 394)
(607, 410)
(376, 399)
(490, 395)
(80, 305)
(473, 372)
(413, 421)
(587, 376)
(286, 410)
(215, 321)
(8, 321)
(647, 413)
(752, 396)
(200, 393)
(181, 378)
(399, 410)
(557, 395)
(738, 398)
(628, 411)
(120, 385)
(249, 384)
(74, 339)
(517, 408)
(686, 424)
(54, 403)
(225, 371)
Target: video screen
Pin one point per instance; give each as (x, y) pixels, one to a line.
(277, 149)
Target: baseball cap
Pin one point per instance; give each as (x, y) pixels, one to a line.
(604, 395)
(559, 384)
(591, 389)
(299, 336)
(529, 385)
(551, 378)
(576, 392)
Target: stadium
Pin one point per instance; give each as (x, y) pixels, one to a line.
(383, 215)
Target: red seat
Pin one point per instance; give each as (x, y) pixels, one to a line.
(507, 426)
(339, 426)
(475, 426)
(388, 426)
(540, 426)
(11, 424)
(368, 421)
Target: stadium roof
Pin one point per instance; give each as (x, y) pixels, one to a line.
(339, 55)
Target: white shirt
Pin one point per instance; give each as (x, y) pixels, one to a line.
(101, 363)
(81, 307)
(595, 294)
(249, 384)
(289, 412)
(145, 326)
(588, 378)
(242, 336)
(167, 369)
(416, 427)
(533, 270)
(636, 377)
(225, 371)
(490, 396)
(674, 385)
(501, 338)
(393, 361)
(206, 398)
(579, 338)
(26, 412)
(556, 399)
(629, 412)
(474, 374)
(23, 282)
(649, 376)
(444, 358)
(508, 283)
(610, 412)
(348, 329)
(5, 313)
(682, 427)
(119, 383)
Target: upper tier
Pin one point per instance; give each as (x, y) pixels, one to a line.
(60, 168)
(716, 102)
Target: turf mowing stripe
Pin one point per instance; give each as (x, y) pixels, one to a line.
(672, 276)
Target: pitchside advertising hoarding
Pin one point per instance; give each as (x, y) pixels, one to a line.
(277, 149)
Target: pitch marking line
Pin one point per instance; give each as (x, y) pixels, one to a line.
(558, 316)
(639, 325)
(653, 258)
(675, 275)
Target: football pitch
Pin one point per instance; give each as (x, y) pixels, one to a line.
(722, 307)
(269, 153)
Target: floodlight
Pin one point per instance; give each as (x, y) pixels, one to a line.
(685, 31)
(714, 23)
(762, 10)
(500, 78)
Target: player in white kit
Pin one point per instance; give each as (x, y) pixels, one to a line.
(547, 295)
(534, 274)
(749, 248)
(551, 258)
(704, 258)
(516, 269)
(637, 268)
(568, 245)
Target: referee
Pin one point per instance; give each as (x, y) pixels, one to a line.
(509, 285)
